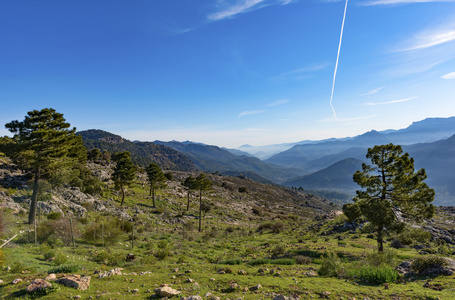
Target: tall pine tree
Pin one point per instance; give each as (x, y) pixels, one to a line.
(47, 147)
(124, 172)
(202, 183)
(391, 189)
(156, 179)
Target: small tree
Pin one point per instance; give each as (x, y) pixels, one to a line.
(124, 172)
(156, 179)
(45, 146)
(390, 190)
(202, 184)
(189, 184)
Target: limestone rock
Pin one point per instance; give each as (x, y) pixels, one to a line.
(38, 285)
(51, 276)
(115, 271)
(75, 281)
(166, 291)
(16, 281)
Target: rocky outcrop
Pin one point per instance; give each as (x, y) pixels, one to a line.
(75, 281)
(166, 291)
(38, 285)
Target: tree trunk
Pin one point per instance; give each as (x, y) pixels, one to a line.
(150, 193)
(32, 213)
(123, 195)
(188, 205)
(379, 239)
(153, 197)
(200, 210)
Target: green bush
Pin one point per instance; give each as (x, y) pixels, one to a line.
(262, 261)
(424, 262)
(148, 260)
(49, 254)
(387, 257)
(60, 259)
(376, 274)
(302, 260)
(283, 261)
(331, 265)
(64, 269)
(275, 227)
(54, 216)
(231, 262)
(410, 236)
(97, 233)
(109, 258)
(278, 250)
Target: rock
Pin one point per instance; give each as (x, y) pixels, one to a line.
(75, 281)
(242, 272)
(405, 268)
(326, 294)
(1, 281)
(135, 291)
(16, 281)
(194, 297)
(189, 280)
(311, 273)
(115, 271)
(233, 286)
(130, 257)
(166, 291)
(38, 285)
(256, 287)
(51, 276)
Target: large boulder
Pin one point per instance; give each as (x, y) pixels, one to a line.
(166, 291)
(38, 285)
(75, 281)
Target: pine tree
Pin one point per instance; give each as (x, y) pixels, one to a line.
(190, 184)
(156, 179)
(46, 147)
(124, 172)
(390, 190)
(202, 183)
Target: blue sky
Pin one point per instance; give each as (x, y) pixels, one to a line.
(228, 72)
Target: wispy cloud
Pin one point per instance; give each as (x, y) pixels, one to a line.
(231, 8)
(375, 91)
(430, 39)
(448, 76)
(301, 73)
(250, 112)
(389, 102)
(393, 2)
(278, 102)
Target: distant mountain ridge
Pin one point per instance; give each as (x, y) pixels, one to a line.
(215, 159)
(142, 153)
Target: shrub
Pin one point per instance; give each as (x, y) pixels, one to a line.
(331, 265)
(49, 254)
(262, 261)
(413, 235)
(387, 257)
(283, 261)
(242, 189)
(302, 260)
(169, 176)
(148, 260)
(56, 232)
(424, 262)
(276, 227)
(54, 216)
(64, 269)
(279, 250)
(231, 262)
(376, 274)
(97, 233)
(109, 258)
(60, 259)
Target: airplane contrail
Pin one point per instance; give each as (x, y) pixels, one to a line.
(338, 57)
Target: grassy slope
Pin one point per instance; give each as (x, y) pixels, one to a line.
(230, 233)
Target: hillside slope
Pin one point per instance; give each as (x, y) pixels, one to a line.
(142, 153)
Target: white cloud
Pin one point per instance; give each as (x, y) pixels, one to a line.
(372, 91)
(431, 39)
(390, 102)
(278, 102)
(241, 6)
(448, 76)
(393, 2)
(250, 112)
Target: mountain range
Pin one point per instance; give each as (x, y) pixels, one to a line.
(325, 167)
